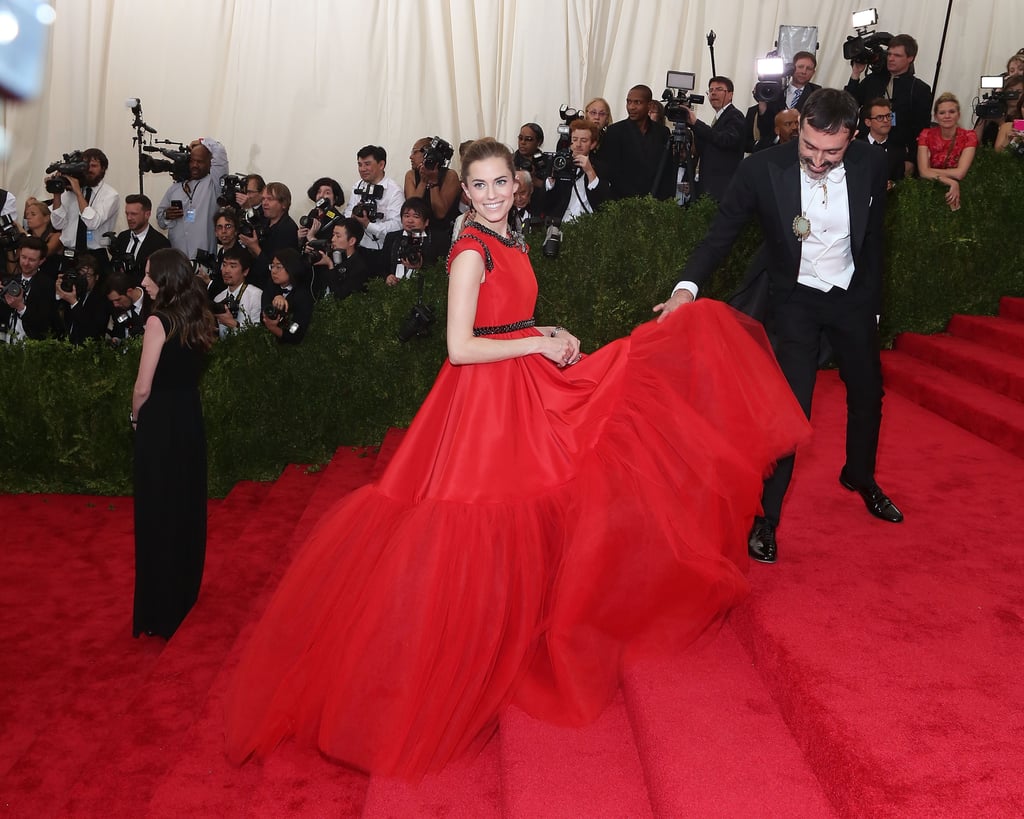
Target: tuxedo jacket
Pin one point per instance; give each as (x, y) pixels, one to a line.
(559, 196)
(764, 135)
(721, 147)
(88, 318)
(635, 163)
(40, 319)
(153, 242)
(300, 310)
(895, 157)
(766, 187)
(387, 260)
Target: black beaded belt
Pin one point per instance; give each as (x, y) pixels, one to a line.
(504, 328)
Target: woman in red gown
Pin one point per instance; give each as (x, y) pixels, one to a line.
(548, 516)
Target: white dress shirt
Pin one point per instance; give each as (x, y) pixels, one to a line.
(826, 256)
(100, 215)
(389, 206)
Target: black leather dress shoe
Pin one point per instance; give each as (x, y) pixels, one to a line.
(762, 546)
(875, 500)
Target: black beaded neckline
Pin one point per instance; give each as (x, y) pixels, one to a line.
(511, 240)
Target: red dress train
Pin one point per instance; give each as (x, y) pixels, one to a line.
(536, 528)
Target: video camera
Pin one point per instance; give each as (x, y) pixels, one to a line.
(176, 162)
(73, 164)
(772, 76)
(868, 47)
(369, 195)
(121, 261)
(9, 233)
(995, 103)
(677, 97)
(437, 154)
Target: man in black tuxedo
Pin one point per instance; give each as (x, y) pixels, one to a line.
(84, 311)
(141, 239)
(877, 125)
(820, 200)
(720, 145)
(29, 310)
(761, 118)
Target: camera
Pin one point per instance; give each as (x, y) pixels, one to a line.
(9, 233)
(204, 258)
(867, 47)
(121, 261)
(677, 97)
(73, 164)
(437, 154)
(273, 313)
(552, 240)
(13, 289)
(253, 226)
(328, 216)
(410, 248)
(417, 323)
(772, 74)
(230, 184)
(132, 323)
(368, 195)
(229, 305)
(313, 249)
(561, 164)
(176, 162)
(995, 103)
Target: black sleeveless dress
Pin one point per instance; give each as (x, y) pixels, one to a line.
(170, 493)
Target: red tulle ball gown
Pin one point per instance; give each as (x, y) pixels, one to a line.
(537, 527)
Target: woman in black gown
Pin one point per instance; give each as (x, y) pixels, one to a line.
(170, 447)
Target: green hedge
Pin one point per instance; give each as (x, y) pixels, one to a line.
(64, 410)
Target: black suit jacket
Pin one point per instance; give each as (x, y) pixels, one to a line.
(721, 147)
(88, 318)
(300, 311)
(911, 105)
(40, 319)
(767, 187)
(636, 163)
(384, 263)
(895, 156)
(558, 197)
(764, 136)
(153, 242)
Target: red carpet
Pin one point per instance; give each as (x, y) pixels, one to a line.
(873, 672)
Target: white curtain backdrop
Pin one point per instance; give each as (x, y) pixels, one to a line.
(294, 88)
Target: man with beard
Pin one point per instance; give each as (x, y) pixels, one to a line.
(87, 209)
(820, 200)
(140, 239)
(186, 211)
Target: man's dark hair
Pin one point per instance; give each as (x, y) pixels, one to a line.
(139, 199)
(255, 177)
(877, 102)
(240, 255)
(295, 265)
(353, 228)
(339, 194)
(33, 243)
(118, 282)
(645, 90)
(724, 81)
(909, 44)
(96, 153)
(805, 55)
(831, 110)
(376, 151)
(537, 131)
(228, 213)
(418, 205)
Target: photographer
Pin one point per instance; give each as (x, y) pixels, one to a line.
(87, 208)
(586, 191)
(28, 309)
(762, 117)
(326, 189)
(377, 200)
(633, 151)
(129, 307)
(722, 144)
(345, 271)
(250, 201)
(410, 248)
(530, 141)
(186, 211)
(139, 240)
(288, 303)
(876, 118)
(277, 232)
(238, 306)
(225, 229)
(83, 311)
(430, 179)
(987, 127)
(910, 97)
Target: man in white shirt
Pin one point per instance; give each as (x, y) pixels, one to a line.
(241, 301)
(376, 200)
(87, 209)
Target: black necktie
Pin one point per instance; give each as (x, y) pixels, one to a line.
(82, 239)
(134, 246)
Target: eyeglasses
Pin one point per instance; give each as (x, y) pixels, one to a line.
(595, 112)
(882, 118)
(276, 266)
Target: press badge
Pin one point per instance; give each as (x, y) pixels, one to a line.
(190, 215)
(88, 236)
(893, 119)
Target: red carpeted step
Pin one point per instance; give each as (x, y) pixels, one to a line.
(466, 789)
(1012, 307)
(712, 741)
(997, 370)
(891, 650)
(241, 551)
(201, 782)
(98, 667)
(987, 414)
(571, 772)
(995, 331)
